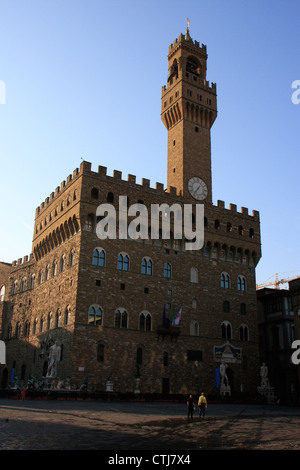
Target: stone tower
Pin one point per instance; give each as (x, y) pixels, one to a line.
(188, 110)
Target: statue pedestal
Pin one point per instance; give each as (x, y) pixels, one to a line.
(109, 386)
(225, 391)
(137, 386)
(267, 392)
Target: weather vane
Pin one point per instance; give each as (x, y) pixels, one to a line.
(187, 33)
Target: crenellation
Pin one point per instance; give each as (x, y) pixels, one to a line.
(102, 170)
(117, 175)
(23, 262)
(146, 183)
(131, 179)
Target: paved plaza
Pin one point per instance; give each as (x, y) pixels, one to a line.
(137, 426)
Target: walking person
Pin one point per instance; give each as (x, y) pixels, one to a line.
(202, 403)
(190, 406)
(23, 394)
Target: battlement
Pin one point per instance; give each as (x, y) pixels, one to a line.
(86, 168)
(63, 186)
(189, 43)
(23, 262)
(209, 87)
(159, 189)
(233, 209)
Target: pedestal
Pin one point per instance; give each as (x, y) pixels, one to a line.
(109, 386)
(225, 391)
(267, 392)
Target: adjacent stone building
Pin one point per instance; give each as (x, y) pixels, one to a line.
(110, 303)
(276, 327)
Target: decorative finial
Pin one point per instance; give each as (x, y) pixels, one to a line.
(187, 32)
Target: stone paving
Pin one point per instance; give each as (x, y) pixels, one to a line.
(134, 426)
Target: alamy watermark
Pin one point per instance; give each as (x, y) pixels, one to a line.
(135, 222)
(2, 353)
(296, 354)
(296, 94)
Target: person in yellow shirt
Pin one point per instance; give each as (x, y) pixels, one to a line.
(202, 403)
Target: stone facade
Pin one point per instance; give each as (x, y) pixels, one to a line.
(104, 300)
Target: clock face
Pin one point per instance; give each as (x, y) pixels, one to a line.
(197, 188)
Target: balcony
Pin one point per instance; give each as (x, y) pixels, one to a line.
(166, 330)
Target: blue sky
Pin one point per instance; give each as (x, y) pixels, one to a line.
(83, 80)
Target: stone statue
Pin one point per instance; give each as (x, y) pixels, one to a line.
(54, 357)
(264, 375)
(223, 374)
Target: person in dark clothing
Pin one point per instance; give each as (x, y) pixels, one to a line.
(190, 406)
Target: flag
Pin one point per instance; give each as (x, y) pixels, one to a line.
(164, 316)
(177, 319)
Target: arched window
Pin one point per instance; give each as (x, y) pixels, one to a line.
(225, 281)
(166, 359)
(147, 266)
(18, 330)
(27, 329)
(67, 315)
(41, 324)
(54, 268)
(23, 284)
(98, 257)
(194, 328)
(110, 197)
(241, 283)
(62, 264)
(72, 258)
(139, 356)
(123, 262)
(94, 193)
(217, 225)
(121, 318)
(167, 271)
(243, 309)
(57, 319)
(100, 353)
(194, 275)
(244, 333)
(49, 321)
(226, 306)
(95, 315)
(15, 287)
(145, 321)
(2, 293)
(32, 281)
(226, 330)
(47, 273)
